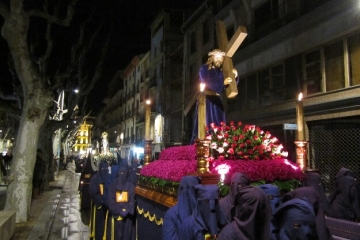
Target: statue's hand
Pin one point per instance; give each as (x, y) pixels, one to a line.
(235, 72)
(227, 81)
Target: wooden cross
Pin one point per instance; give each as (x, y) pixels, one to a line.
(229, 47)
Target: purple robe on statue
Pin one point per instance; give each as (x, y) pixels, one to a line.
(186, 202)
(227, 204)
(122, 221)
(252, 216)
(203, 220)
(312, 196)
(295, 220)
(214, 81)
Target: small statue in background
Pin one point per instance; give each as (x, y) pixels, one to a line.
(105, 143)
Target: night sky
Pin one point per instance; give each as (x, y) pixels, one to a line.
(129, 22)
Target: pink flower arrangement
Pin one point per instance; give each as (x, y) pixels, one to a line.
(169, 170)
(242, 142)
(178, 153)
(267, 170)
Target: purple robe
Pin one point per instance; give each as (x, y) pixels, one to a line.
(99, 209)
(203, 220)
(273, 195)
(295, 220)
(227, 204)
(122, 214)
(344, 202)
(186, 202)
(214, 81)
(312, 196)
(314, 180)
(252, 216)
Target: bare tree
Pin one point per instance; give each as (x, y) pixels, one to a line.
(30, 29)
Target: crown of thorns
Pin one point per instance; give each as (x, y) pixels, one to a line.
(216, 52)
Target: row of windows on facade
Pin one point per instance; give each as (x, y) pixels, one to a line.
(325, 69)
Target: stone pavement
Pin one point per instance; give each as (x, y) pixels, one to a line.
(56, 213)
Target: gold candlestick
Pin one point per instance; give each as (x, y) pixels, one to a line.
(301, 154)
(202, 112)
(147, 151)
(300, 118)
(147, 118)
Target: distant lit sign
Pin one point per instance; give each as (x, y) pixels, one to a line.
(289, 126)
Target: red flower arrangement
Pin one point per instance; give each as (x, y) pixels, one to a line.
(242, 142)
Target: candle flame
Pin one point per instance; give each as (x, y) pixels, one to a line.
(148, 101)
(300, 96)
(202, 87)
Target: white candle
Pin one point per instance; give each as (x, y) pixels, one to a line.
(300, 118)
(147, 119)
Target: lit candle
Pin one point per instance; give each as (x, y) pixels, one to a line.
(202, 112)
(300, 118)
(147, 118)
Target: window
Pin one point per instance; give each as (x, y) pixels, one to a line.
(192, 42)
(313, 72)
(278, 83)
(354, 59)
(264, 88)
(252, 91)
(206, 31)
(334, 66)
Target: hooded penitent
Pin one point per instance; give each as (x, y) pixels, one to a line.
(203, 220)
(121, 202)
(227, 204)
(273, 195)
(186, 202)
(344, 202)
(98, 194)
(312, 196)
(314, 180)
(295, 220)
(252, 216)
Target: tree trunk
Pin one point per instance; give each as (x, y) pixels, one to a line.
(20, 188)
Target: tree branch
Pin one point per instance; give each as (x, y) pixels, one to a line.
(53, 19)
(4, 10)
(5, 106)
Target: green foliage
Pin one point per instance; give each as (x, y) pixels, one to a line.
(284, 186)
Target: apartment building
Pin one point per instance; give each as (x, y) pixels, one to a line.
(292, 46)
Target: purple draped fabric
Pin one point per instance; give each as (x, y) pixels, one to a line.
(214, 81)
(252, 216)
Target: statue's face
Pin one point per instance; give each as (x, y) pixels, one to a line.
(217, 60)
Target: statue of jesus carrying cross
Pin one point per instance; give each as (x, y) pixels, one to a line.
(217, 73)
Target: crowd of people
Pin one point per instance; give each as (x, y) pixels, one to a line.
(247, 212)
(112, 193)
(261, 212)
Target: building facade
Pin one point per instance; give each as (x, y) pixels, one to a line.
(292, 46)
